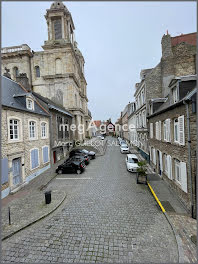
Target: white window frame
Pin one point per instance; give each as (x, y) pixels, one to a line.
(48, 154)
(165, 163)
(156, 130)
(31, 159)
(35, 137)
(18, 129)
(164, 130)
(177, 170)
(27, 103)
(46, 130)
(176, 124)
(175, 95)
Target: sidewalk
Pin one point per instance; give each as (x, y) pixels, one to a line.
(28, 204)
(184, 226)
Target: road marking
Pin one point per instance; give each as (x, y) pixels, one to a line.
(74, 178)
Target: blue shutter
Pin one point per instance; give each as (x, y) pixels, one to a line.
(32, 159)
(45, 154)
(4, 170)
(36, 158)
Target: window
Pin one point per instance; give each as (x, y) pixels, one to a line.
(176, 130)
(177, 171)
(57, 29)
(76, 102)
(30, 104)
(167, 132)
(43, 130)
(15, 72)
(58, 66)
(156, 130)
(34, 156)
(164, 125)
(181, 130)
(144, 118)
(175, 95)
(45, 154)
(165, 163)
(140, 120)
(14, 129)
(37, 71)
(32, 127)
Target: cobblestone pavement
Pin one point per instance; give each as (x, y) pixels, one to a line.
(106, 217)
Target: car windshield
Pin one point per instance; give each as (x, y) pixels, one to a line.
(132, 160)
(85, 151)
(124, 146)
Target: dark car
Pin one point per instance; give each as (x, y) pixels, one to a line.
(91, 154)
(71, 166)
(81, 154)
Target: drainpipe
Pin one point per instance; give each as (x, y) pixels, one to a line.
(189, 157)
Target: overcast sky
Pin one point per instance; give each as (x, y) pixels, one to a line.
(117, 39)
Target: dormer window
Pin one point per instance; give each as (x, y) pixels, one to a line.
(175, 95)
(30, 104)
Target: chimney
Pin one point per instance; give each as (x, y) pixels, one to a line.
(166, 46)
(24, 81)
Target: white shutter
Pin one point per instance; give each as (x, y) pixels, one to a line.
(161, 163)
(181, 130)
(151, 130)
(156, 129)
(160, 130)
(169, 162)
(154, 156)
(168, 132)
(150, 153)
(183, 175)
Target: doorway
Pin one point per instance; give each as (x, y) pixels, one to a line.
(16, 171)
(54, 156)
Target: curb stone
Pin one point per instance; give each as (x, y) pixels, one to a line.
(33, 222)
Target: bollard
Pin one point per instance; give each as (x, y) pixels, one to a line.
(48, 197)
(9, 216)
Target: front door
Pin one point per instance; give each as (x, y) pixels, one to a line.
(16, 171)
(54, 156)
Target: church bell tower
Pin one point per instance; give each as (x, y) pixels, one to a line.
(60, 26)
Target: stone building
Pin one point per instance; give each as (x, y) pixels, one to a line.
(173, 139)
(56, 72)
(132, 124)
(25, 141)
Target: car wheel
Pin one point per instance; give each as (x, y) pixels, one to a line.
(60, 171)
(78, 171)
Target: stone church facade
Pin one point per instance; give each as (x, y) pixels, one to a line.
(56, 72)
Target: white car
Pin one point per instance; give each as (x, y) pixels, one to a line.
(100, 137)
(132, 162)
(124, 148)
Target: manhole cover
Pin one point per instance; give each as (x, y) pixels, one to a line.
(167, 206)
(194, 239)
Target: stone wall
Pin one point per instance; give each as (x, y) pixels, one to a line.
(175, 150)
(21, 148)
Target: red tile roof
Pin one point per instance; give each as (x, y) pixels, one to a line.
(97, 123)
(190, 38)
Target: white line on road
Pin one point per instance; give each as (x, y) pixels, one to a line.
(74, 178)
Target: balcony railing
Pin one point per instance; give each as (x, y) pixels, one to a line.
(15, 48)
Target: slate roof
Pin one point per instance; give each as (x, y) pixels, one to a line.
(14, 95)
(51, 105)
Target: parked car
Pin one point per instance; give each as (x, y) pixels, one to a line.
(86, 158)
(124, 148)
(132, 162)
(71, 166)
(100, 137)
(122, 141)
(91, 154)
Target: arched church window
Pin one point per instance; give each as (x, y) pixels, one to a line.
(57, 29)
(58, 66)
(16, 72)
(37, 71)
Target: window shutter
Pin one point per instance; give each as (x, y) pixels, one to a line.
(151, 130)
(36, 158)
(169, 162)
(161, 163)
(150, 153)
(154, 156)
(156, 130)
(45, 154)
(181, 130)
(4, 170)
(183, 174)
(32, 159)
(160, 130)
(168, 138)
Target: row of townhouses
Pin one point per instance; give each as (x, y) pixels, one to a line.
(40, 92)
(163, 117)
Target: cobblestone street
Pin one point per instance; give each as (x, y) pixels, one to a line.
(106, 217)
